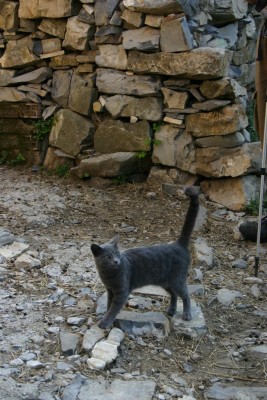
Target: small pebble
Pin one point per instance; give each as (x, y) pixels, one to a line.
(34, 364)
(28, 356)
(235, 354)
(16, 362)
(78, 321)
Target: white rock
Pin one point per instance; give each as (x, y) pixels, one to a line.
(13, 250)
(28, 356)
(226, 296)
(115, 336)
(252, 280)
(105, 351)
(96, 363)
(91, 337)
(76, 320)
(34, 364)
(203, 253)
(27, 261)
(16, 362)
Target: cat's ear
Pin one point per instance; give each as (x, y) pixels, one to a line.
(96, 249)
(114, 240)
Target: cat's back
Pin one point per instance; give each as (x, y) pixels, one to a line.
(155, 264)
(156, 254)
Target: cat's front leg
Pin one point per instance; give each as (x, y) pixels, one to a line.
(115, 307)
(109, 299)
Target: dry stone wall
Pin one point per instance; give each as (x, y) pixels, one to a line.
(153, 86)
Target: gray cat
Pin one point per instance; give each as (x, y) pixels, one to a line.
(164, 265)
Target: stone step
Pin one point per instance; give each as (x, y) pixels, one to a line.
(84, 389)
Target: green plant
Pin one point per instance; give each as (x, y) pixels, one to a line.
(140, 154)
(156, 126)
(252, 208)
(86, 175)
(42, 128)
(254, 137)
(3, 157)
(157, 142)
(19, 160)
(62, 170)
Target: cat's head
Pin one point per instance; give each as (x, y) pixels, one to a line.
(107, 256)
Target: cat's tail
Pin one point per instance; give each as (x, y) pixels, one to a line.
(191, 215)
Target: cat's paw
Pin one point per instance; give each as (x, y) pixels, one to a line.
(103, 324)
(187, 316)
(171, 312)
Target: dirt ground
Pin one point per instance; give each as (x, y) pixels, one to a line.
(80, 212)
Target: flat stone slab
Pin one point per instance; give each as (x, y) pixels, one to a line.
(158, 291)
(226, 392)
(118, 389)
(155, 323)
(68, 343)
(258, 353)
(6, 237)
(197, 325)
(226, 296)
(138, 302)
(144, 324)
(91, 337)
(13, 250)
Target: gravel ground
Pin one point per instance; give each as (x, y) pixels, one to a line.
(59, 218)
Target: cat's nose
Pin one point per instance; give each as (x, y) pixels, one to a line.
(116, 261)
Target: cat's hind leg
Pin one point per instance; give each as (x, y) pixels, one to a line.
(183, 293)
(173, 302)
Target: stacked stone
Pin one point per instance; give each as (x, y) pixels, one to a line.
(130, 81)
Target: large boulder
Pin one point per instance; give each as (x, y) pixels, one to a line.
(82, 95)
(104, 10)
(70, 132)
(117, 136)
(148, 108)
(110, 165)
(226, 120)
(112, 57)
(78, 34)
(159, 7)
(216, 162)
(144, 39)
(12, 94)
(19, 53)
(9, 20)
(37, 76)
(232, 140)
(116, 82)
(201, 63)
(222, 88)
(226, 10)
(61, 87)
(54, 27)
(47, 9)
(174, 148)
(233, 193)
(175, 99)
(6, 76)
(55, 158)
(175, 36)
